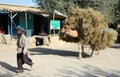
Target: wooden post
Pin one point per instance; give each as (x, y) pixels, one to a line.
(26, 20)
(11, 30)
(54, 19)
(11, 24)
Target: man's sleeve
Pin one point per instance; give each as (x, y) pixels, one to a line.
(24, 45)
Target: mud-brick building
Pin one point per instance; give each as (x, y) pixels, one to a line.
(31, 19)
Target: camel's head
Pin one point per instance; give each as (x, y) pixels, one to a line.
(65, 28)
(66, 34)
(64, 31)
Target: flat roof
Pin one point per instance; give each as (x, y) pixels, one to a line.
(18, 8)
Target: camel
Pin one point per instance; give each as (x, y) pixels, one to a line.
(73, 33)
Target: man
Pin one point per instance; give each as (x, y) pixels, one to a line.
(22, 52)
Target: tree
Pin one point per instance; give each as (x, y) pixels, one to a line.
(106, 7)
(117, 12)
(49, 5)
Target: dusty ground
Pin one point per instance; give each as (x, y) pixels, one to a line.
(59, 59)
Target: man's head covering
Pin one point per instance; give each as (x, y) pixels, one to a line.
(20, 28)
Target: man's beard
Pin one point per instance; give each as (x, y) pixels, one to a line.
(19, 35)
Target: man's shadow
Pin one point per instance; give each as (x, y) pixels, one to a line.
(11, 68)
(8, 67)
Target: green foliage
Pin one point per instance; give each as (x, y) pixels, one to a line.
(106, 7)
(117, 11)
(49, 5)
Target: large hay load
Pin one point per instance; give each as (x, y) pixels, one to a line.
(92, 28)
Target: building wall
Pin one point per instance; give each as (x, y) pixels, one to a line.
(30, 20)
(22, 22)
(35, 22)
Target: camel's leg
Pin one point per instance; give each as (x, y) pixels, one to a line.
(92, 52)
(82, 47)
(80, 54)
(97, 53)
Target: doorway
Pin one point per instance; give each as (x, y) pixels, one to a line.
(37, 24)
(4, 23)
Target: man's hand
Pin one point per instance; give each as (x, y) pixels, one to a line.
(24, 53)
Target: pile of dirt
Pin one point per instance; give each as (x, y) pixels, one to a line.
(32, 40)
(4, 39)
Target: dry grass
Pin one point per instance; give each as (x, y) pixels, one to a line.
(92, 27)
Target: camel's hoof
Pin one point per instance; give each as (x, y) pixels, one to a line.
(80, 58)
(91, 56)
(97, 53)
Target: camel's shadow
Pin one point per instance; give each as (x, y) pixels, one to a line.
(65, 53)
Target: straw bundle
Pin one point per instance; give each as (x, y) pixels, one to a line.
(92, 27)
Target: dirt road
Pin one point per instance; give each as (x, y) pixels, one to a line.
(60, 60)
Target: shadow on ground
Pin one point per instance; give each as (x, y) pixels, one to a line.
(8, 67)
(47, 51)
(6, 75)
(117, 46)
(86, 71)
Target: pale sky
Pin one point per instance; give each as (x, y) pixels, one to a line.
(19, 2)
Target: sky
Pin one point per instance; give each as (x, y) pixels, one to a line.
(19, 2)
